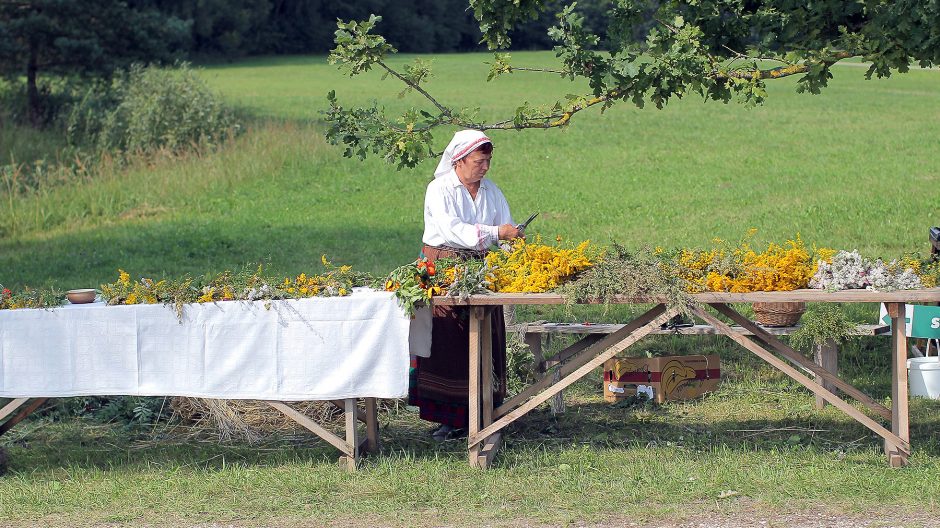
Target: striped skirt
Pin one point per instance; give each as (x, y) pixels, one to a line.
(438, 384)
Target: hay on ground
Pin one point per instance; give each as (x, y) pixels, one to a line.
(252, 420)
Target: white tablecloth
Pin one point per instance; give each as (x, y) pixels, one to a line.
(308, 349)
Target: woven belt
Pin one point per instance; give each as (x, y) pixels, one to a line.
(462, 253)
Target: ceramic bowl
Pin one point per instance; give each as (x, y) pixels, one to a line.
(81, 296)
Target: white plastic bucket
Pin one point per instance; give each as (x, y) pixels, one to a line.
(924, 376)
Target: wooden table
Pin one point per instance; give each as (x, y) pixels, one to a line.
(826, 355)
(331, 349)
(486, 421)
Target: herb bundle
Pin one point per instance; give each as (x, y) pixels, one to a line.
(625, 273)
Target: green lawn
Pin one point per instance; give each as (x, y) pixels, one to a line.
(856, 167)
(754, 446)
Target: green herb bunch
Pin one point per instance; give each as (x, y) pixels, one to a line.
(414, 284)
(29, 298)
(822, 323)
(625, 273)
(463, 278)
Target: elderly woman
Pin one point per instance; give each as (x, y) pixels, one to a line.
(464, 214)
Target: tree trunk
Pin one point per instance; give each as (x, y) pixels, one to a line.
(34, 105)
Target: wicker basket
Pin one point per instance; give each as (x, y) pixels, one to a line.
(778, 313)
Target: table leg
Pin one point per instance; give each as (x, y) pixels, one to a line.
(350, 447)
(22, 414)
(900, 419)
(903, 445)
(372, 425)
(534, 342)
(557, 403)
(826, 356)
(12, 406)
(486, 367)
(352, 435)
(473, 385)
(490, 446)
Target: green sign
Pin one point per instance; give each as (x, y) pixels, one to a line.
(922, 321)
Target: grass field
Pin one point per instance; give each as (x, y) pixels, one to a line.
(853, 168)
(856, 167)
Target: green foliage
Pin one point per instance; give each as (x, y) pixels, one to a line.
(132, 411)
(365, 129)
(405, 141)
(464, 277)
(151, 108)
(89, 39)
(498, 17)
(357, 49)
(823, 323)
(520, 367)
(30, 298)
(413, 284)
(499, 66)
(629, 273)
(653, 52)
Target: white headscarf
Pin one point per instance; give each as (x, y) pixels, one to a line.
(464, 142)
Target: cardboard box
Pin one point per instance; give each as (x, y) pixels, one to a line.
(661, 378)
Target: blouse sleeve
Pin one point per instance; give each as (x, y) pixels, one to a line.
(440, 211)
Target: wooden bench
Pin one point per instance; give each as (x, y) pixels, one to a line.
(826, 356)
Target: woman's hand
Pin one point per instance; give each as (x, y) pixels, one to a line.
(509, 232)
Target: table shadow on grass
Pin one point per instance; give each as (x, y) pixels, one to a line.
(88, 445)
(616, 426)
(83, 444)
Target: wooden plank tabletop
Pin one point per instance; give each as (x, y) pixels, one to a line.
(850, 296)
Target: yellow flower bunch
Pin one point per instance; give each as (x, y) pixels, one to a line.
(927, 269)
(778, 268)
(929, 273)
(144, 291)
(536, 267)
(740, 268)
(302, 285)
(694, 266)
(247, 284)
(215, 293)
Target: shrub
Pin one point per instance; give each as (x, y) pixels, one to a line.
(150, 108)
(55, 95)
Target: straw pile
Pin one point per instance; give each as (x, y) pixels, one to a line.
(249, 419)
(252, 420)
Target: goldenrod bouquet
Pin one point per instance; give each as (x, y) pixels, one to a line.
(536, 267)
(740, 269)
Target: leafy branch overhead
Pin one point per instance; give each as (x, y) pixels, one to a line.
(653, 51)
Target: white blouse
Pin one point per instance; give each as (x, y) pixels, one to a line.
(452, 218)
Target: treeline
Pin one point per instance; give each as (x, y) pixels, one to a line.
(236, 28)
(50, 50)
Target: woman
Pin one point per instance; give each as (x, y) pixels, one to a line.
(464, 214)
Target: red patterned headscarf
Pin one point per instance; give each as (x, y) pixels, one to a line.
(464, 142)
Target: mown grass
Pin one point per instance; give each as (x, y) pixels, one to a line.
(754, 445)
(853, 168)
